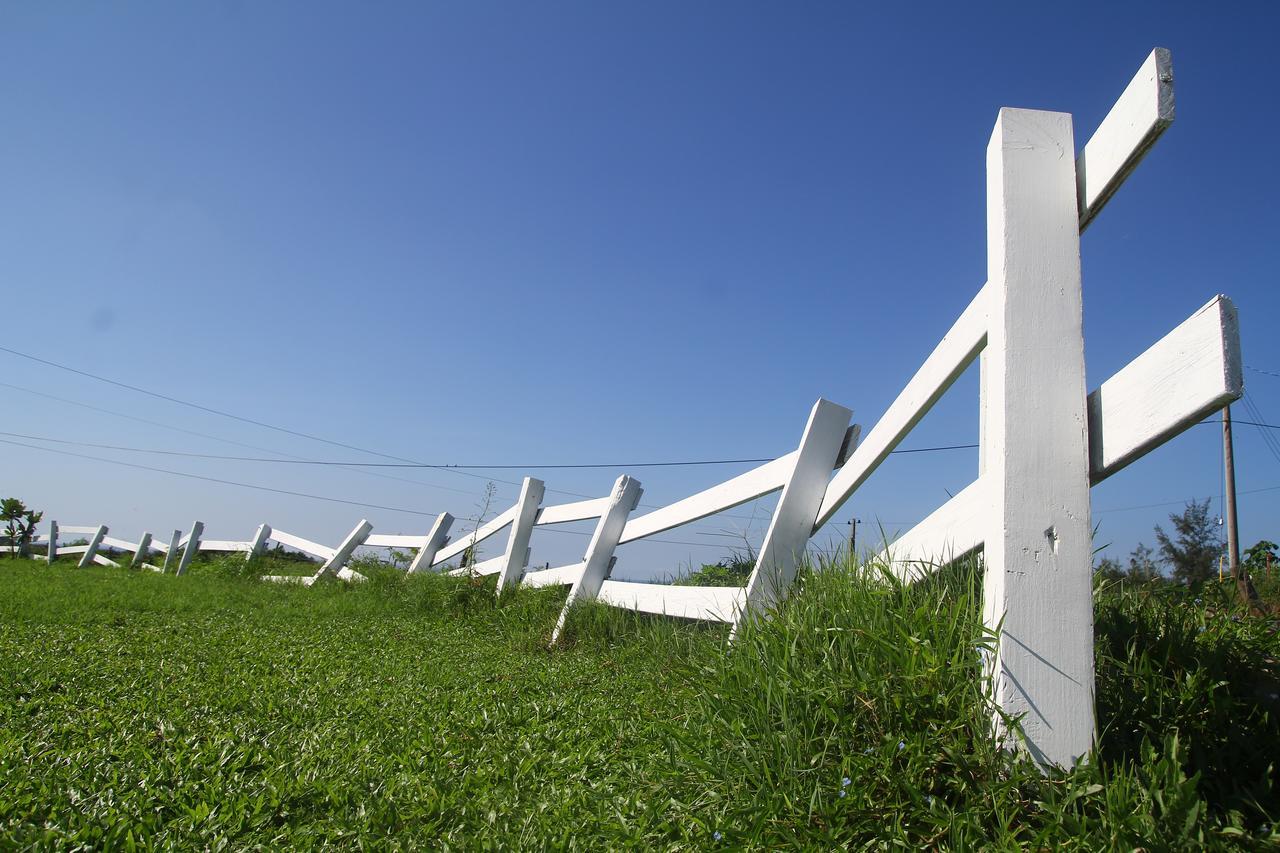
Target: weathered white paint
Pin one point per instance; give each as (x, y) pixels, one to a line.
(141, 551)
(516, 556)
(191, 547)
(577, 511)
(951, 531)
(344, 551)
(306, 546)
(710, 603)
(224, 545)
(599, 558)
(91, 550)
(559, 576)
(259, 543)
(52, 553)
(767, 478)
(436, 539)
(171, 550)
(475, 537)
(1184, 377)
(959, 346)
(1126, 135)
(793, 518)
(1038, 579)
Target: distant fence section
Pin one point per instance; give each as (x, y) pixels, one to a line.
(1045, 440)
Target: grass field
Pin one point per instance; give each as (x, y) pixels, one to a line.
(216, 711)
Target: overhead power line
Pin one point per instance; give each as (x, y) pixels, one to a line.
(344, 464)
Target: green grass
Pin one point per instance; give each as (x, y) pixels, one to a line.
(213, 710)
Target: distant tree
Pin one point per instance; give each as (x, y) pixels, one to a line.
(1141, 565)
(1193, 550)
(19, 524)
(1260, 556)
(1109, 569)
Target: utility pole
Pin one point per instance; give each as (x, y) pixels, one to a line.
(1240, 574)
(853, 536)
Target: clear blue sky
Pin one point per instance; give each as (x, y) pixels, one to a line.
(582, 232)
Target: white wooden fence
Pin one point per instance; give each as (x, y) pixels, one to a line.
(1044, 442)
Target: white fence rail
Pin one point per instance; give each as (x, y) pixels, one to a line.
(1044, 443)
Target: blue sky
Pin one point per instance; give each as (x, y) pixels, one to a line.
(581, 232)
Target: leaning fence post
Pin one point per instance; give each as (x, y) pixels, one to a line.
(792, 524)
(516, 557)
(171, 556)
(599, 558)
(52, 553)
(140, 554)
(354, 540)
(87, 559)
(436, 540)
(1038, 578)
(259, 543)
(192, 548)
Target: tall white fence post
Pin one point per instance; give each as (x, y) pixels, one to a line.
(52, 553)
(793, 519)
(259, 543)
(516, 557)
(1038, 548)
(599, 557)
(90, 552)
(140, 553)
(436, 540)
(192, 548)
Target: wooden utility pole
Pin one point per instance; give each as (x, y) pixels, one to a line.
(853, 537)
(1239, 573)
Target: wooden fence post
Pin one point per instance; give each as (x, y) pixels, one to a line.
(792, 524)
(52, 553)
(436, 540)
(87, 559)
(171, 555)
(140, 553)
(259, 543)
(192, 548)
(1038, 547)
(338, 561)
(599, 558)
(516, 557)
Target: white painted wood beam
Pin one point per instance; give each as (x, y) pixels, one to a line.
(559, 576)
(709, 603)
(79, 530)
(224, 545)
(476, 536)
(141, 551)
(103, 561)
(171, 551)
(577, 511)
(91, 550)
(52, 553)
(1184, 377)
(953, 354)
(1135, 122)
(191, 547)
(436, 539)
(306, 546)
(259, 543)
(604, 541)
(793, 518)
(748, 486)
(118, 544)
(492, 566)
(516, 556)
(951, 531)
(1038, 539)
(344, 551)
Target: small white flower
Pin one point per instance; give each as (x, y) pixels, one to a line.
(716, 835)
